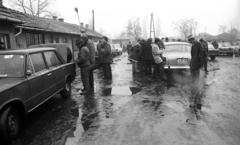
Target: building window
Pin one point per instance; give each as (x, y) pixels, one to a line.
(34, 39)
(5, 39)
(64, 40)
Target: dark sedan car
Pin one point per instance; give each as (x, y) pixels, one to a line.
(28, 78)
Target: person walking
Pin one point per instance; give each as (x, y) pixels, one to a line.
(196, 54)
(105, 58)
(135, 57)
(92, 66)
(83, 62)
(159, 66)
(205, 54)
(129, 47)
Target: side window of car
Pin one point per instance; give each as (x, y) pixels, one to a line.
(38, 62)
(52, 59)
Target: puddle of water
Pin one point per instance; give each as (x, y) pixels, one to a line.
(121, 91)
(176, 106)
(121, 102)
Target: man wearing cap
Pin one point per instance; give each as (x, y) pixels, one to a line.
(83, 62)
(106, 58)
(196, 55)
(2, 46)
(205, 54)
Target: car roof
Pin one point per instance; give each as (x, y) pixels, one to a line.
(26, 50)
(176, 43)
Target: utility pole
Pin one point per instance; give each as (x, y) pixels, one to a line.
(152, 26)
(93, 20)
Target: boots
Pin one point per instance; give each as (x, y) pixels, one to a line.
(162, 72)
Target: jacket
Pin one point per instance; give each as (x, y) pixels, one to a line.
(156, 53)
(83, 57)
(92, 53)
(129, 46)
(135, 53)
(205, 48)
(196, 54)
(147, 51)
(105, 52)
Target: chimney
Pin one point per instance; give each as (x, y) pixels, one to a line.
(61, 20)
(54, 17)
(81, 24)
(86, 26)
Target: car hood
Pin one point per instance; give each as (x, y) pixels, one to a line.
(174, 55)
(6, 83)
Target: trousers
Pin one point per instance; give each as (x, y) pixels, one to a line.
(107, 71)
(195, 73)
(85, 77)
(204, 60)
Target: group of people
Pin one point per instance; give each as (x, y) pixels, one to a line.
(88, 63)
(145, 54)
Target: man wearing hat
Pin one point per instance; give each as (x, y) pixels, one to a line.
(2, 46)
(205, 54)
(106, 58)
(83, 62)
(196, 55)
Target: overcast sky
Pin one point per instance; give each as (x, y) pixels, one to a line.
(112, 15)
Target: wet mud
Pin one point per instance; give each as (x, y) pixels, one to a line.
(135, 109)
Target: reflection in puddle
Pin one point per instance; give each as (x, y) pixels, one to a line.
(176, 106)
(121, 91)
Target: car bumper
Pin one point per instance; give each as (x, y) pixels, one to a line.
(176, 67)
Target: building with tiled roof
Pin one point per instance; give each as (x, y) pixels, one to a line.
(7, 27)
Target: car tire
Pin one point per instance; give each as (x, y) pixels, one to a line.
(212, 57)
(66, 92)
(9, 124)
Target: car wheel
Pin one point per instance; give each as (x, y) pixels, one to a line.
(66, 92)
(9, 124)
(212, 57)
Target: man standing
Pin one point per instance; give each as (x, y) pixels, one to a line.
(92, 63)
(205, 54)
(215, 44)
(2, 46)
(106, 58)
(196, 54)
(83, 62)
(129, 46)
(147, 56)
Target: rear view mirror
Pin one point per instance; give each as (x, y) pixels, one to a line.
(29, 73)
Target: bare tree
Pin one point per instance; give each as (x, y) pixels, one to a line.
(38, 8)
(145, 28)
(234, 29)
(222, 28)
(185, 27)
(134, 29)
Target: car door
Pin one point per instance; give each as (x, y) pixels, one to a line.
(56, 68)
(41, 80)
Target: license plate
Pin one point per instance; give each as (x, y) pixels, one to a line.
(182, 60)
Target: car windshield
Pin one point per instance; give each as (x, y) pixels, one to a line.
(177, 48)
(11, 65)
(225, 44)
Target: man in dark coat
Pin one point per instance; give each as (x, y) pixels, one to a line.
(147, 56)
(196, 55)
(92, 63)
(205, 54)
(129, 47)
(83, 62)
(106, 58)
(215, 44)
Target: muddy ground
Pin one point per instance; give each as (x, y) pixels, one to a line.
(134, 109)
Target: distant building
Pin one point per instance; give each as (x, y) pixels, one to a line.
(205, 36)
(226, 37)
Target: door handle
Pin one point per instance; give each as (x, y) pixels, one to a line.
(49, 74)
